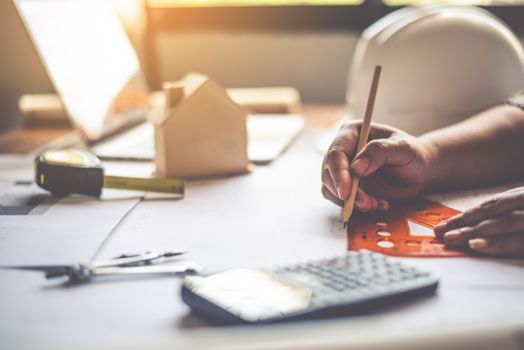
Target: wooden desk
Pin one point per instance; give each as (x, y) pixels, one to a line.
(23, 140)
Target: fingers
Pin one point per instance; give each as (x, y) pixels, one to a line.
(504, 224)
(327, 182)
(498, 205)
(337, 165)
(338, 194)
(330, 196)
(510, 245)
(496, 227)
(392, 151)
(337, 161)
(377, 153)
(363, 202)
(337, 170)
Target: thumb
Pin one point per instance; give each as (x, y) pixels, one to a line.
(378, 153)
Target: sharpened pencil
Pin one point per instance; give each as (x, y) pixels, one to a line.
(363, 139)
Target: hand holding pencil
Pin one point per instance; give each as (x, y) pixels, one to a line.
(369, 164)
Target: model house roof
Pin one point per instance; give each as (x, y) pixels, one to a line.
(179, 92)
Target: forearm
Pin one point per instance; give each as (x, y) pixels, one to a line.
(483, 150)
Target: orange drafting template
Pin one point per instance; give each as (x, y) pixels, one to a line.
(405, 230)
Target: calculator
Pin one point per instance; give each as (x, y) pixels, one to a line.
(355, 283)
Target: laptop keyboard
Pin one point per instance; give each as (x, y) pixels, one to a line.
(136, 143)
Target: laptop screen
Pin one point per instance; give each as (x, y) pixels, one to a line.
(90, 61)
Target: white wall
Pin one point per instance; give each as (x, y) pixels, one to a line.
(316, 63)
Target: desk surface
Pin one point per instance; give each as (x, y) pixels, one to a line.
(24, 140)
(272, 216)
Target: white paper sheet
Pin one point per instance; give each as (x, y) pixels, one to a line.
(70, 230)
(464, 200)
(37, 228)
(15, 167)
(272, 216)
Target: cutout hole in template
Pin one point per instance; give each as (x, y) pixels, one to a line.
(382, 224)
(383, 233)
(419, 230)
(412, 243)
(385, 244)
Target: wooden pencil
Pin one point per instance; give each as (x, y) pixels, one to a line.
(363, 139)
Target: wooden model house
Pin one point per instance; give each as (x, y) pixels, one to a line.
(202, 132)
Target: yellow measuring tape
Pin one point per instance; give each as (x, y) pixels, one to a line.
(173, 186)
(77, 171)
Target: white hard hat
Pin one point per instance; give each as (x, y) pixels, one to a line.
(441, 64)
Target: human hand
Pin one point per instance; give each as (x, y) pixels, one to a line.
(496, 227)
(392, 165)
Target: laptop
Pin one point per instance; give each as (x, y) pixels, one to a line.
(97, 74)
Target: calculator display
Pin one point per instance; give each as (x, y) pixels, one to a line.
(251, 294)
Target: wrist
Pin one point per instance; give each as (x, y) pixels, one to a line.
(432, 163)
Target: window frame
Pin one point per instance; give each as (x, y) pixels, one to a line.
(292, 18)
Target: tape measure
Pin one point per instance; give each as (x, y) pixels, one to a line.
(405, 230)
(71, 170)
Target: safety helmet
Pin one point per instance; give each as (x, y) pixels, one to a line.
(441, 64)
